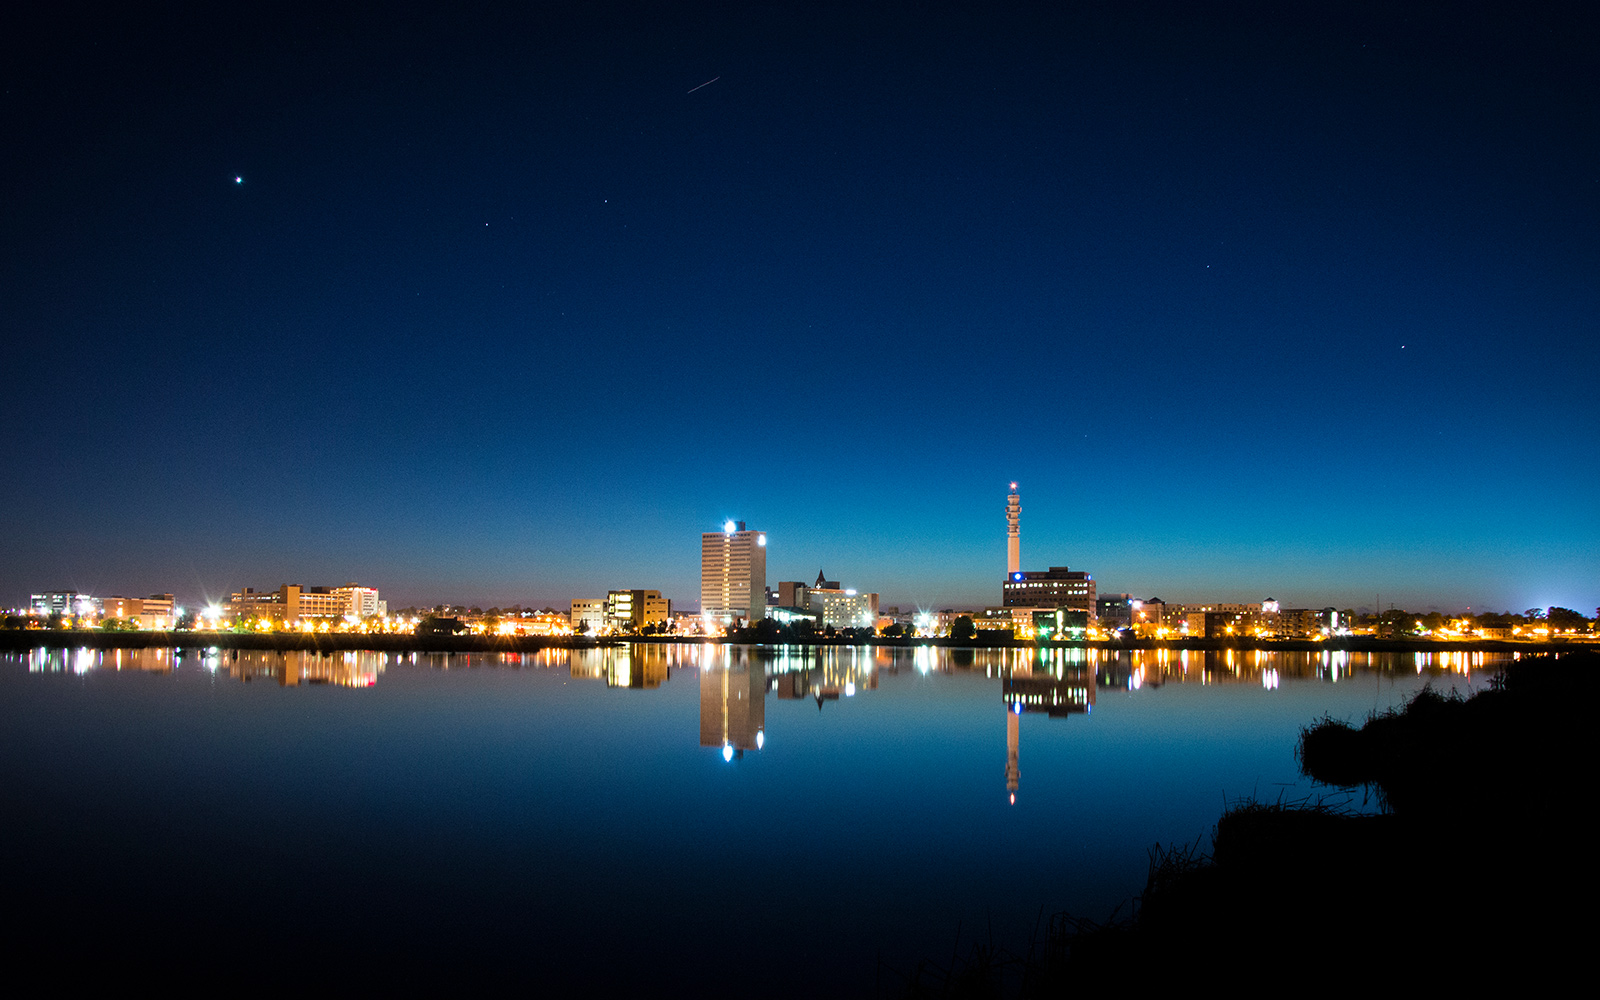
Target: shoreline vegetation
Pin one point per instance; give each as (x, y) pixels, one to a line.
(1470, 873)
(24, 639)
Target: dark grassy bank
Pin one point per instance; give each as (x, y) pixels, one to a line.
(1474, 872)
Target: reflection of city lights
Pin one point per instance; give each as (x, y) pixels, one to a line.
(761, 738)
(727, 751)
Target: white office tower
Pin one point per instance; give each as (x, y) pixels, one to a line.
(1013, 531)
(733, 573)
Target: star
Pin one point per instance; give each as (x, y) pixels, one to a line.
(238, 180)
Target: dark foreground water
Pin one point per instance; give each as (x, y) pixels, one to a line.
(662, 819)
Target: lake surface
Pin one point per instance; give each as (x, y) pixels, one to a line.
(660, 818)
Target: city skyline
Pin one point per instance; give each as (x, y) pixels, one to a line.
(754, 541)
(503, 307)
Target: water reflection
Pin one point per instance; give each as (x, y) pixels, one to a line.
(1058, 681)
(464, 753)
(356, 669)
(733, 696)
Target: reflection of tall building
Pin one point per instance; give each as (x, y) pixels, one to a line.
(1058, 696)
(1054, 686)
(1013, 772)
(733, 712)
(733, 573)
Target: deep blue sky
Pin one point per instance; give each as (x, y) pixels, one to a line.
(1291, 300)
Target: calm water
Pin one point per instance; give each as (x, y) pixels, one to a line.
(652, 817)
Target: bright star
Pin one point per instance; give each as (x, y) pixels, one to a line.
(238, 180)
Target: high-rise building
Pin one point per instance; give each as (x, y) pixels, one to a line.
(733, 573)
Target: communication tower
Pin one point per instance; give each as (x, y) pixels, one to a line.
(1013, 531)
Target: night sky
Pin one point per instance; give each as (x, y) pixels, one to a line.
(1294, 300)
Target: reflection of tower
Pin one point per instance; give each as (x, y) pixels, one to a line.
(1013, 531)
(733, 712)
(1013, 720)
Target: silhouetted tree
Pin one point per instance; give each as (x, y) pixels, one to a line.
(962, 628)
(1566, 618)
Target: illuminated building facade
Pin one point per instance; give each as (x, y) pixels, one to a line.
(1305, 623)
(1057, 587)
(1062, 623)
(291, 603)
(121, 607)
(588, 615)
(1002, 620)
(63, 602)
(733, 573)
(362, 602)
(1147, 616)
(632, 610)
(158, 611)
(842, 608)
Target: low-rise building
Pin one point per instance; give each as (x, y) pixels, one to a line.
(1057, 587)
(63, 602)
(1114, 611)
(291, 603)
(632, 610)
(588, 615)
(835, 606)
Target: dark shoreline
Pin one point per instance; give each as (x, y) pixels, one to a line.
(24, 639)
(1468, 875)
